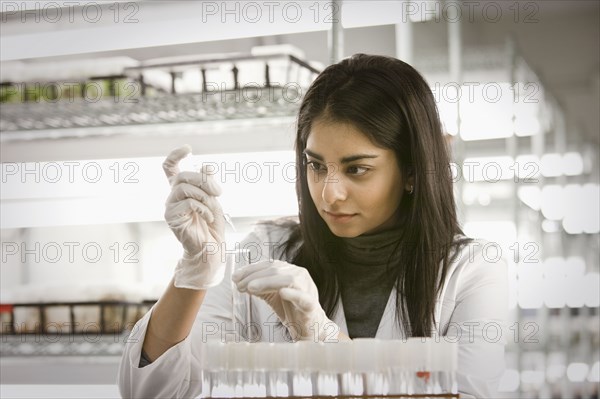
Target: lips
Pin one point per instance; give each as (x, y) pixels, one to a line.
(339, 217)
(339, 214)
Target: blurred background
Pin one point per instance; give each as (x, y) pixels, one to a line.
(95, 94)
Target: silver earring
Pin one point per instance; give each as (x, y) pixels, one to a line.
(412, 188)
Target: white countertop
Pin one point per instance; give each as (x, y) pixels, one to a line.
(59, 391)
(59, 371)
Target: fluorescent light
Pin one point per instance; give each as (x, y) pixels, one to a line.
(486, 112)
(591, 195)
(257, 184)
(594, 375)
(483, 193)
(572, 164)
(575, 216)
(575, 291)
(510, 381)
(527, 126)
(553, 206)
(447, 109)
(484, 199)
(574, 266)
(551, 165)
(530, 196)
(577, 372)
(531, 286)
(535, 377)
(529, 166)
(592, 290)
(554, 267)
(527, 109)
(554, 293)
(550, 226)
(582, 215)
(575, 281)
(497, 232)
(555, 372)
(469, 194)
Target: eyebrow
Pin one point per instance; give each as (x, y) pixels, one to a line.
(347, 159)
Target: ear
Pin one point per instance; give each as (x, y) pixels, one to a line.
(410, 180)
(410, 183)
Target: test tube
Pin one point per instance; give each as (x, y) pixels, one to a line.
(260, 369)
(327, 382)
(419, 376)
(396, 363)
(249, 322)
(349, 382)
(241, 302)
(215, 381)
(302, 383)
(367, 361)
(278, 380)
(444, 366)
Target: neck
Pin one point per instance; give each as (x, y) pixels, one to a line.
(373, 248)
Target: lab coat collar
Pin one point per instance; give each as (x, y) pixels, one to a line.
(389, 328)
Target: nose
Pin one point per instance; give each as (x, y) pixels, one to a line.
(334, 189)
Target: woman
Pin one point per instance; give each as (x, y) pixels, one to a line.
(377, 252)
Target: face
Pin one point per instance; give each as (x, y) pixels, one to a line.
(355, 185)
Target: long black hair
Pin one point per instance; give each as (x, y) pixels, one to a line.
(390, 102)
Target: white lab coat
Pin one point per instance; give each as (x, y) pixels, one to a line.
(472, 310)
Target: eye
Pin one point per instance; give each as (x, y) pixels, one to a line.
(315, 167)
(357, 170)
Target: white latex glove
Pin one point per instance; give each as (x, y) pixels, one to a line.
(196, 217)
(292, 294)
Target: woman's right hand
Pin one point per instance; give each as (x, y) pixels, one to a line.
(196, 218)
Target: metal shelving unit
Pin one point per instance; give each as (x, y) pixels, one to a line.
(547, 346)
(124, 100)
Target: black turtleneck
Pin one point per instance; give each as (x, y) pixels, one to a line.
(365, 281)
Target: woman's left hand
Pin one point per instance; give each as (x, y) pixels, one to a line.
(292, 294)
